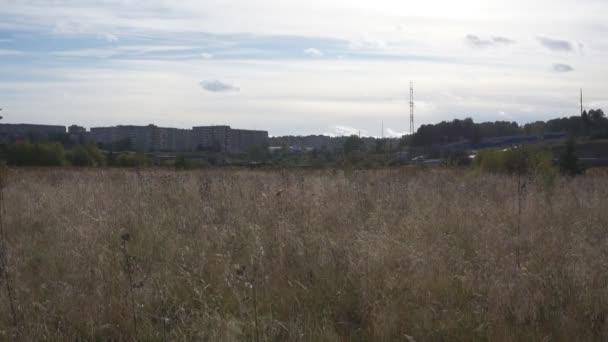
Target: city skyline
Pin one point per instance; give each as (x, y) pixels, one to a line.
(299, 68)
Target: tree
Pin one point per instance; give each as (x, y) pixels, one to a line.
(596, 115)
(381, 146)
(87, 155)
(27, 154)
(353, 144)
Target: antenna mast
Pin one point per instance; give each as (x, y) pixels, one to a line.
(411, 108)
(581, 101)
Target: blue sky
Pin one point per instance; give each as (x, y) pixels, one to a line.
(299, 67)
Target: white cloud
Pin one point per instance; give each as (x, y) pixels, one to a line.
(108, 37)
(10, 52)
(395, 134)
(312, 52)
(123, 50)
(205, 55)
(341, 130)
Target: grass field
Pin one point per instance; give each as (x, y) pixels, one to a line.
(385, 255)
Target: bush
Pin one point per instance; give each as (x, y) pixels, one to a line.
(568, 161)
(27, 154)
(132, 160)
(87, 155)
(526, 160)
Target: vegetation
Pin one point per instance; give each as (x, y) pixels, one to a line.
(108, 254)
(568, 161)
(522, 160)
(27, 154)
(86, 155)
(131, 159)
(593, 123)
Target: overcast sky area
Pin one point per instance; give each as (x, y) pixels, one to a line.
(299, 67)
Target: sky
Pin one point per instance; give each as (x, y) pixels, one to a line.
(299, 67)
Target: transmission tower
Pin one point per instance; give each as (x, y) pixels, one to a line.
(411, 107)
(581, 101)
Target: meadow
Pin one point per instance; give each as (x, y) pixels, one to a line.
(300, 255)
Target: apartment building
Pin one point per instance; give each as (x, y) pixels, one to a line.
(33, 133)
(243, 140)
(138, 138)
(159, 139)
(211, 138)
(226, 139)
(171, 139)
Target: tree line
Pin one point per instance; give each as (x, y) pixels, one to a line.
(593, 124)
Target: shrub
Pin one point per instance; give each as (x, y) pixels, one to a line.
(27, 154)
(86, 155)
(132, 160)
(526, 160)
(568, 161)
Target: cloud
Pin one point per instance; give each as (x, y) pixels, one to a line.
(562, 68)
(312, 52)
(340, 130)
(367, 43)
(502, 40)
(476, 42)
(10, 52)
(206, 55)
(216, 86)
(124, 50)
(395, 134)
(555, 44)
(108, 37)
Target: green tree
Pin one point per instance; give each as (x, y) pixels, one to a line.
(87, 155)
(353, 144)
(27, 154)
(381, 146)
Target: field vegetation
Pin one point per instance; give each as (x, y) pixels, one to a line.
(241, 255)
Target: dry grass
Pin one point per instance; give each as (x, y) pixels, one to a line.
(303, 256)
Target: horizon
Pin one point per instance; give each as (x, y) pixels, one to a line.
(347, 134)
(310, 68)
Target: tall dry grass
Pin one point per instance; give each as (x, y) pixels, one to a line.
(303, 256)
